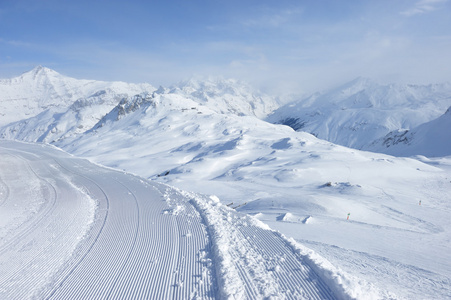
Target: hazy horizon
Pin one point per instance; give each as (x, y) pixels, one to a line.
(285, 46)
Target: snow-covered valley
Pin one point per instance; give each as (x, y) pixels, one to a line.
(379, 225)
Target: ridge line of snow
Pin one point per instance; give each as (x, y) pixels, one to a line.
(229, 282)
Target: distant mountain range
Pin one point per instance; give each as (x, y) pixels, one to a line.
(41, 89)
(45, 106)
(362, 111)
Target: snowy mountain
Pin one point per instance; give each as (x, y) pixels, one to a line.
(191, 138)
(63, 106)
(227, 96)
(430, 139)
(357, 113)
(293, 182)
(43, 89)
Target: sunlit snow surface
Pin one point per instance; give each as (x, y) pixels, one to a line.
(203, 138)
(270, 170)
(44, 89)
(71, 229)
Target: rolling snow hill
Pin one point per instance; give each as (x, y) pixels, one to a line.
(358, 113)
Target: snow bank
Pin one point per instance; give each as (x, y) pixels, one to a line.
(344, 286)
(229, 282)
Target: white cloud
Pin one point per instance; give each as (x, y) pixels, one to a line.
(423, 6)
(274, 19)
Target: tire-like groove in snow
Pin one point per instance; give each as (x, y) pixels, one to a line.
(44, 211)
(138, 245)
(257, 257)
(96, 230)
(33, 243)
(143, 240)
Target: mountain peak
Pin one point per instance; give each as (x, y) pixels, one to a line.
(40, 72)
(357, 85)
(226, 96)
(211, 84)
(38, 68)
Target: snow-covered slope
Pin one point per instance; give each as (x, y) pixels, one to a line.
(430, 139)
(59, 122)
(362, 111)
(41, 89)
(270, 170)
(71, 229)
(300, 185)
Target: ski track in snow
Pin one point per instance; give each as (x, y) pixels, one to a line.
(258, 261)
(104, 234)
(31, 241)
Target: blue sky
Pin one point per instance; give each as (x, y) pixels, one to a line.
(277, 45)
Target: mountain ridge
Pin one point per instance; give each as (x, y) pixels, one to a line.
(43, 105)
(431, 139)
(41, 88)
(361, 111)
(48, 119)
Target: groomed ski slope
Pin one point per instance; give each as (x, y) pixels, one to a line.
(70, 229)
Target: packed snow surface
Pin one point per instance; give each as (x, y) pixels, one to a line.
(71, 229)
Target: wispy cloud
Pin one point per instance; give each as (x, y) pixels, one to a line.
(423, 6)
(17, 43)
(274, 19)
(289, 44)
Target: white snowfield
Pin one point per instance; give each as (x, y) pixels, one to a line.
(69, 229)
(73, 230)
